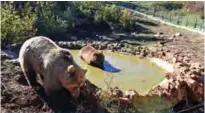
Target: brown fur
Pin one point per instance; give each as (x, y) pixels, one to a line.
(92, 56)
(55, 65)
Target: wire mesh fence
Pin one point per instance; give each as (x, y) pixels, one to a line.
(193, 21)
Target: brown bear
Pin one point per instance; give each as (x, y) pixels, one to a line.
(62, 77)
(92, 56)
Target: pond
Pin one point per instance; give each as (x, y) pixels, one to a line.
(123, 71)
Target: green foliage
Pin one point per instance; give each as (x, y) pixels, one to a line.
(125, 20)
(22, 20)
(16, 28)
(98, 12)
(169, 5)
(50, 23)
(119, 19)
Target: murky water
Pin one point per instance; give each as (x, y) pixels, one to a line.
(124, 71)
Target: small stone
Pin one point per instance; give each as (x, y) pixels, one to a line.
(177, 34)
(14, 61)
(117, 92)
(22, 101)
(195, 65)
(186, 59)
(21, 79)
(130, 94)
(157, 35)
(184, 69)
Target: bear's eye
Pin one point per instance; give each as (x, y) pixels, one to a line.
(72, 74)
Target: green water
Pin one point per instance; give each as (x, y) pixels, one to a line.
(138, 74)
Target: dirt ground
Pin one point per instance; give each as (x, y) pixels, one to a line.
(16, 96)
(189, 43)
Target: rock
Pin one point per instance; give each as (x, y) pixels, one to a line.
(177, 59)
(142, 55)
(120, 45)
(117, 92)
(197, 91)
(21, 79)
(35, 101)
(187, 59)
(12, 106)
(196, 72)
(130, 94)
(4, 110)
(173, 91)
(196, 66)
(158, 34)
(124, 100)
(22, 101)
(177, 34)
(5, 56)
(6, 97)
(13, 61)
(184, 70)
(171, 37)
(144, 52)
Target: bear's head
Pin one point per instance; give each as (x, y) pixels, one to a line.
(74, 79)
(98, 58)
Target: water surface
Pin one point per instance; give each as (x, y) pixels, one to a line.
(123, 71)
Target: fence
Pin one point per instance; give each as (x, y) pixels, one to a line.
(192, 21)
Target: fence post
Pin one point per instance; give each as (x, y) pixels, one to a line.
(178, 19)
(154, 11)
(187, 21)
(170, 16)
(201, 27)
(162, 16)
(195, 23)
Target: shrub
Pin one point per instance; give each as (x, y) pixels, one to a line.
(50, 22)
(126, 21)
(22, 20)
(16, 28)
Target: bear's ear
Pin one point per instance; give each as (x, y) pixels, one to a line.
(70, 69)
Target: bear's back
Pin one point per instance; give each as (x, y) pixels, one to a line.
(87, 50)
(42, 44)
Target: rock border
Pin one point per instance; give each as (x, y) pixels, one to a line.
(185, 80)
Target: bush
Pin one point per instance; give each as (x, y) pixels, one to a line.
(16, 28)
(126, 21)
(22, 20)
(98, 12)
(49, 23)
